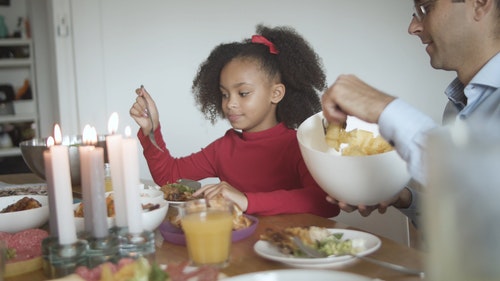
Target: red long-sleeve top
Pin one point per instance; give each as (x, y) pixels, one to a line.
(266, 166)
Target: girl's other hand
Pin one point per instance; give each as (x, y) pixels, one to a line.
(227, 191)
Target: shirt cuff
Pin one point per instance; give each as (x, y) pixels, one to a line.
(406, 129)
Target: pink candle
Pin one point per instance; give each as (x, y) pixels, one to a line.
(58, 160)
(131, 181)
(114, 147)
(92, 175)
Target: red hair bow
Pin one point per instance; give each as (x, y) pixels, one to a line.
(259, 39)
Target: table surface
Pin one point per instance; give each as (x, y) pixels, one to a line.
(245, 260)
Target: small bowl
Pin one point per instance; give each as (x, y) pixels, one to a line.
(22, 220)
(356, 180)
(148, 194)
(150, 219)
(32, 152)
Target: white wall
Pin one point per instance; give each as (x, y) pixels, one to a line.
(121, 44)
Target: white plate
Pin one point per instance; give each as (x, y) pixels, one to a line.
(268, 251)
(298, 275)
(23, 189)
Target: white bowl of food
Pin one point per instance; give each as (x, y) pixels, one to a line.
(21, 218)
(154, 211)
(150, 194)
(151, 219)
(357, 180)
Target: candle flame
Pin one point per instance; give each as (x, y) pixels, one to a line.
(50, 141)
(113, 123)
(89, 135)
(57, 134)
(128, 131)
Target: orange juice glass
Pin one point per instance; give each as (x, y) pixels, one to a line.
(208, 229)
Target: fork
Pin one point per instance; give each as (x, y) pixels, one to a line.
(313, 253)
(325, 125)
(151, 133)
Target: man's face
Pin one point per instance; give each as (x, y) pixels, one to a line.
(445, 31)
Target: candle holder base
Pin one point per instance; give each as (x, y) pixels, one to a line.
(138, 245)
(63, 259)
(101, 250)
(47, 244)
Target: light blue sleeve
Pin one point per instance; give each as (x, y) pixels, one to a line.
(406, 128)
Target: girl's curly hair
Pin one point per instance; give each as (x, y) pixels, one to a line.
(297, 64)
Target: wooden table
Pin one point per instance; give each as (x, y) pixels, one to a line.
(245, 260)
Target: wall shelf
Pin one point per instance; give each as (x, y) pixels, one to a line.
(15, 68)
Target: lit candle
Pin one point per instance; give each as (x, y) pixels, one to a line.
(132, 183)
(92, 175)
(57, 159)
(50, 189)
(114, 147)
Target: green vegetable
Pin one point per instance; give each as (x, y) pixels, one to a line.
(157, 274)
(334, 245)
(182, 188)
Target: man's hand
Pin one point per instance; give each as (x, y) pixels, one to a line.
(401, 200)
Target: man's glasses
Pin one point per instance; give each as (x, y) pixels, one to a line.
(421, 10)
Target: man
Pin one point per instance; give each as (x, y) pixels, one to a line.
(463, 36)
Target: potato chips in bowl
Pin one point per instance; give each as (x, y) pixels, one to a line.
(360, 178)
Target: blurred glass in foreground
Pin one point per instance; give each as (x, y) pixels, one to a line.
(462, 206)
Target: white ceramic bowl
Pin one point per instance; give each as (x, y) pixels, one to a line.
(21, 220)
(150, 219)
(148, 194)
(355, 180)
(80, 221)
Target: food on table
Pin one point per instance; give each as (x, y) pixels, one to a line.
(357, 142)
(315, 237)
(240, 221)
(22, 204)
(24, 250)
(141, 269)
(177, 192)
(110, 206)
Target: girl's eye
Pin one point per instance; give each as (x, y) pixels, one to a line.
(225, 96)
(244, 94)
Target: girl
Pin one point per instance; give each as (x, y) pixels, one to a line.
(265, 87)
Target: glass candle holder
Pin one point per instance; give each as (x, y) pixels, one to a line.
(138, 245)
(64, 259)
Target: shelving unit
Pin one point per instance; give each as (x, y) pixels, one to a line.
(14, 71)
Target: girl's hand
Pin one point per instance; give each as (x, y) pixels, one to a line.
(229, 192)
(139, 111)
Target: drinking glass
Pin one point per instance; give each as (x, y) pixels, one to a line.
(207, 225)
(461, 210)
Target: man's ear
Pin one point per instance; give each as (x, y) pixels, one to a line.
(482, 8)
(278, 93)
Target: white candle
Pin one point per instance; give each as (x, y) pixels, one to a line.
(92, 177)
(50, 189)
(58, 160)
(132, 183)
(114, 147)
